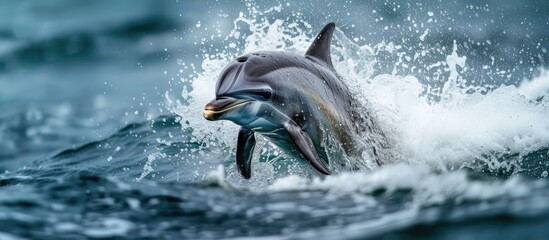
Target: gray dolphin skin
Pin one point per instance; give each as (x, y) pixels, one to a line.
(295, 101)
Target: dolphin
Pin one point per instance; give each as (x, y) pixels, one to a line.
(297, 102)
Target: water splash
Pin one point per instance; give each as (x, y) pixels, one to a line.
(454, 125)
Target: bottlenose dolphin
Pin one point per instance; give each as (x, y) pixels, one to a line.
(297, 102)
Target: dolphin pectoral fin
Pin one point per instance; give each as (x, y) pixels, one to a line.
(244, 151)
(305, 145)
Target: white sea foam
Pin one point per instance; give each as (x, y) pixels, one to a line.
(429, 188)
(465, 128)
(536, 88)
(109, 228)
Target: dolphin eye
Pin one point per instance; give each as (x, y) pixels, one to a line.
(267, 94)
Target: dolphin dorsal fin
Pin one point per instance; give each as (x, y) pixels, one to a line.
(320, 48)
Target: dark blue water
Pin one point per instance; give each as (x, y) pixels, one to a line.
(100, 139)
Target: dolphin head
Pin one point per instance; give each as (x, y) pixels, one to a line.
(239, 95)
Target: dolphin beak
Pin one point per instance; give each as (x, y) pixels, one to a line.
(218, 107)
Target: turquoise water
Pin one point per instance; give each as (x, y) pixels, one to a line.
(101, 134)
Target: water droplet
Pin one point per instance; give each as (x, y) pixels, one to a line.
(544, 174)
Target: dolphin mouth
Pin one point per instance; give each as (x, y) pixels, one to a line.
(219, 107)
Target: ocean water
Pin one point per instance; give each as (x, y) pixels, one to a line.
(102, 134)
